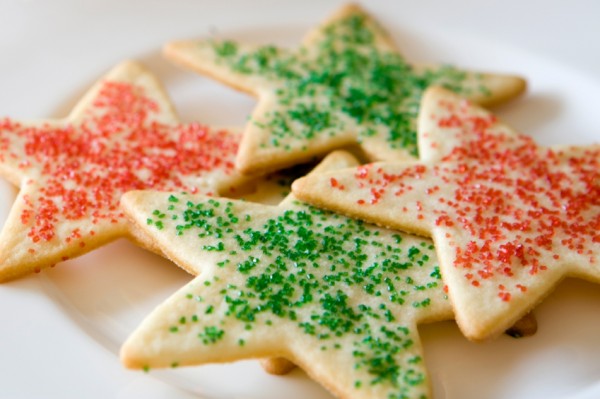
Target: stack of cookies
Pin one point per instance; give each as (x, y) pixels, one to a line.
(422, 206)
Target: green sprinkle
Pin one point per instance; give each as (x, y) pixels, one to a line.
(211, 335)
(219, 247)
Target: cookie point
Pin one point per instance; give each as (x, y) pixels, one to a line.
(127, 67)
(298, 184)
(128, 358)
(352, 8)
(128, 197)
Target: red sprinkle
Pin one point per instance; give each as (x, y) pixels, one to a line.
(119, 146)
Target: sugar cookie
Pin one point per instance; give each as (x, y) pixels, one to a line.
(336, 296)
(345, 84)
(123, 135)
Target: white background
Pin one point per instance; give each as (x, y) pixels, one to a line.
(52, 51)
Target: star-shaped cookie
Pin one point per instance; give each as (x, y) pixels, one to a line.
(345, 84)
(123, 135)
(336, 296)
(509, 218)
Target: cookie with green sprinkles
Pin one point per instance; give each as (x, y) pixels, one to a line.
(510, 219)
(345, 84)
(123, 135)
(339, 297)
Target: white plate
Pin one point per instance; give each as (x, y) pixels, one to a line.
(60, 331)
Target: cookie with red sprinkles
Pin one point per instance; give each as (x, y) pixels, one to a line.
(123, 135)
(510, 219)
(293, 283)
(345, 84)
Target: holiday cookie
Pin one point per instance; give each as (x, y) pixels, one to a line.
(339, 297)
(345, 84)
(509, 218)
(123, 135)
